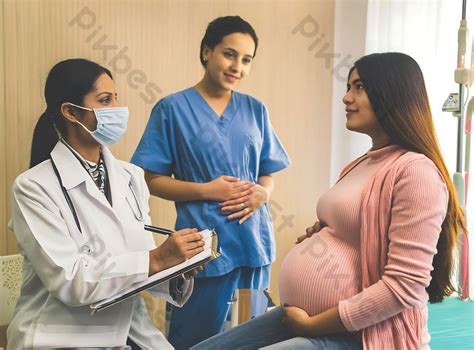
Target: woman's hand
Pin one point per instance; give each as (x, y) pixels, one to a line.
(190, 274)
(301, 324)
(310, 231)
(244, 207)
(297, 320)
(226, 188)
(181, 245)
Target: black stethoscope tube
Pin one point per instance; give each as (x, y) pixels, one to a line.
(138, 216)
(66, 195)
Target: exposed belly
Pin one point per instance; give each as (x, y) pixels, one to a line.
(319, 272)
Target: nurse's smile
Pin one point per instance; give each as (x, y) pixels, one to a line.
(231, 78)
(228, 62)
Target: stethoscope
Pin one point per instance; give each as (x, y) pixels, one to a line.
(138, 214)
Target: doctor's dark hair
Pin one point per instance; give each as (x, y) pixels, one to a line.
(68, 81)
(396, 89)
(222, 26)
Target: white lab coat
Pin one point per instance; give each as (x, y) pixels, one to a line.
(65, 270)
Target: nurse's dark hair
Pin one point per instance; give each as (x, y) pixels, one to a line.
(68, 81)
(222, 26)
(396, 89)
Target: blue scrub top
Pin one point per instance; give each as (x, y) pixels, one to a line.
(185, 138)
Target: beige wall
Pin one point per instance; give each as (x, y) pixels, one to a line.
(161, 42)
(3, 149)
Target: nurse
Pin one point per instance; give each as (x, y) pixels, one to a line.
(213, 150)
(78, 217)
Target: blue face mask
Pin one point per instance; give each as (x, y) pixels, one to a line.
(111, 123)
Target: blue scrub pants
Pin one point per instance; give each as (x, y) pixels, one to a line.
(205, 313)
(268, 332)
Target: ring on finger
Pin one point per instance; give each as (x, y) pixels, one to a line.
(242, 205)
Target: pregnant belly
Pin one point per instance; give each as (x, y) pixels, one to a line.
(319, 272)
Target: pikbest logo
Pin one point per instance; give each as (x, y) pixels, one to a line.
(116, 58)
(309, 28)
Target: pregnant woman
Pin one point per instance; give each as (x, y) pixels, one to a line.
(361, 278)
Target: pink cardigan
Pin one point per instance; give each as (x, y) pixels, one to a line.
(403, 331)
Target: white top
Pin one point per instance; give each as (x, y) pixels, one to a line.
(65, 270)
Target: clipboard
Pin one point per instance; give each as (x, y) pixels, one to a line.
(209, 253)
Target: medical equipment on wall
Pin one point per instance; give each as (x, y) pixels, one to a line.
(462, 108)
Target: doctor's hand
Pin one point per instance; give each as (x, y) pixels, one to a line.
(181, 245)
(226, 188)
(310, 231)
(194, 272)
(245, 206)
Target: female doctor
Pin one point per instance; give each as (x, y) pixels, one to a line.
(78, 215)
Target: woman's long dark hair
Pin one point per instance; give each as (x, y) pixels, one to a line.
(396, 89)
(68, 81)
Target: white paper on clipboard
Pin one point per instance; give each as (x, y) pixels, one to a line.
(209, 253)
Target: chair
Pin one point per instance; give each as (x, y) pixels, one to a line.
(247, 303)
(10, 285)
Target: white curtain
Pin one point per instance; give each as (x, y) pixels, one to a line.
(427, 31)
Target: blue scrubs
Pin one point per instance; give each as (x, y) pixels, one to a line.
(185, 138)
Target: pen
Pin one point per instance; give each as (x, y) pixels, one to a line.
(159, 230)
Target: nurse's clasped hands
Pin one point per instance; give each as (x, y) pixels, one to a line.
(178, 247)
(245, 206)
(225, 188)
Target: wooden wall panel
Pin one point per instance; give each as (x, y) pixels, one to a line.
(3, 170)
(160, 41)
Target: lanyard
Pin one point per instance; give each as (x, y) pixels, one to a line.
(105, 185)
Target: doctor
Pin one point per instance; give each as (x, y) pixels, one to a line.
(78, 217)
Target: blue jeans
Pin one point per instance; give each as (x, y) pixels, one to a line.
(205, 312)
(268, 332)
